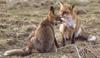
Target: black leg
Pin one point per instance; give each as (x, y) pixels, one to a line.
(55, 41)
(63, 41)
(67, 39)
(73, 39)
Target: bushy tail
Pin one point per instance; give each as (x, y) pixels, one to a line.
(21, 52)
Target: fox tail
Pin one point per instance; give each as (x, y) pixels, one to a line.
(22, 52)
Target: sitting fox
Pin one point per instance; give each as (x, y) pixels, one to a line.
(71, 28)
(42, 39)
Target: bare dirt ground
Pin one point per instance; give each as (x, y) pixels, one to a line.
(19, 17)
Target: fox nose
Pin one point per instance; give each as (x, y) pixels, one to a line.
(69, 23)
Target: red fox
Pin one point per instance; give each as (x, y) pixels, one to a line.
(71, 28)
(42, 39)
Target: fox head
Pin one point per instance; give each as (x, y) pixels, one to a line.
(67, 15)
(52, 17)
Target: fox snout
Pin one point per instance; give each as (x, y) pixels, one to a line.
(69, 22)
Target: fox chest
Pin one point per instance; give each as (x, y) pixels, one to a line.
(68, 33)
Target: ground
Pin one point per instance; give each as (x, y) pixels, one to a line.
(18, 18)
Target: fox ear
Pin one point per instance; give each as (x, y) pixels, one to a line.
(52, 9)
(61, 4)
(73, 6)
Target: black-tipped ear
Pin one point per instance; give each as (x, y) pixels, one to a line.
(73, 7)
(52, 9)
(61, 4)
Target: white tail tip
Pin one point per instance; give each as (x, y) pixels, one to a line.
(92, 38)
(6, 53)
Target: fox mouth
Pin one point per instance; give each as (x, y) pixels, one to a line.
(68, 21)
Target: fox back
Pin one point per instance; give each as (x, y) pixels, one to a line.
(44, 34)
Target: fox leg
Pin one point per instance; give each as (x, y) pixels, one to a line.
(73, 38)
(63, 39)
(65, 36)
(62, 30)
(55, 41)
(31, 45)
(31, 35)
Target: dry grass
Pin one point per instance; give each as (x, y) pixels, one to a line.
(19, 18)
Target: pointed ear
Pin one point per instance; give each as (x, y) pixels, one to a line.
(61, 4)
(52, 9)
(73, 6)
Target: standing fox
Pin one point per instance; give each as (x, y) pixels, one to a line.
(42, 39)
(71, 28)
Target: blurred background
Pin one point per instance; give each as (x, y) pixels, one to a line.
(18, 18)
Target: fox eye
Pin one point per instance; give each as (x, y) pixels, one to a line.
(64, 12)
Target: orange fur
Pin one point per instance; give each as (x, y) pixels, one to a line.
(72, 33)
